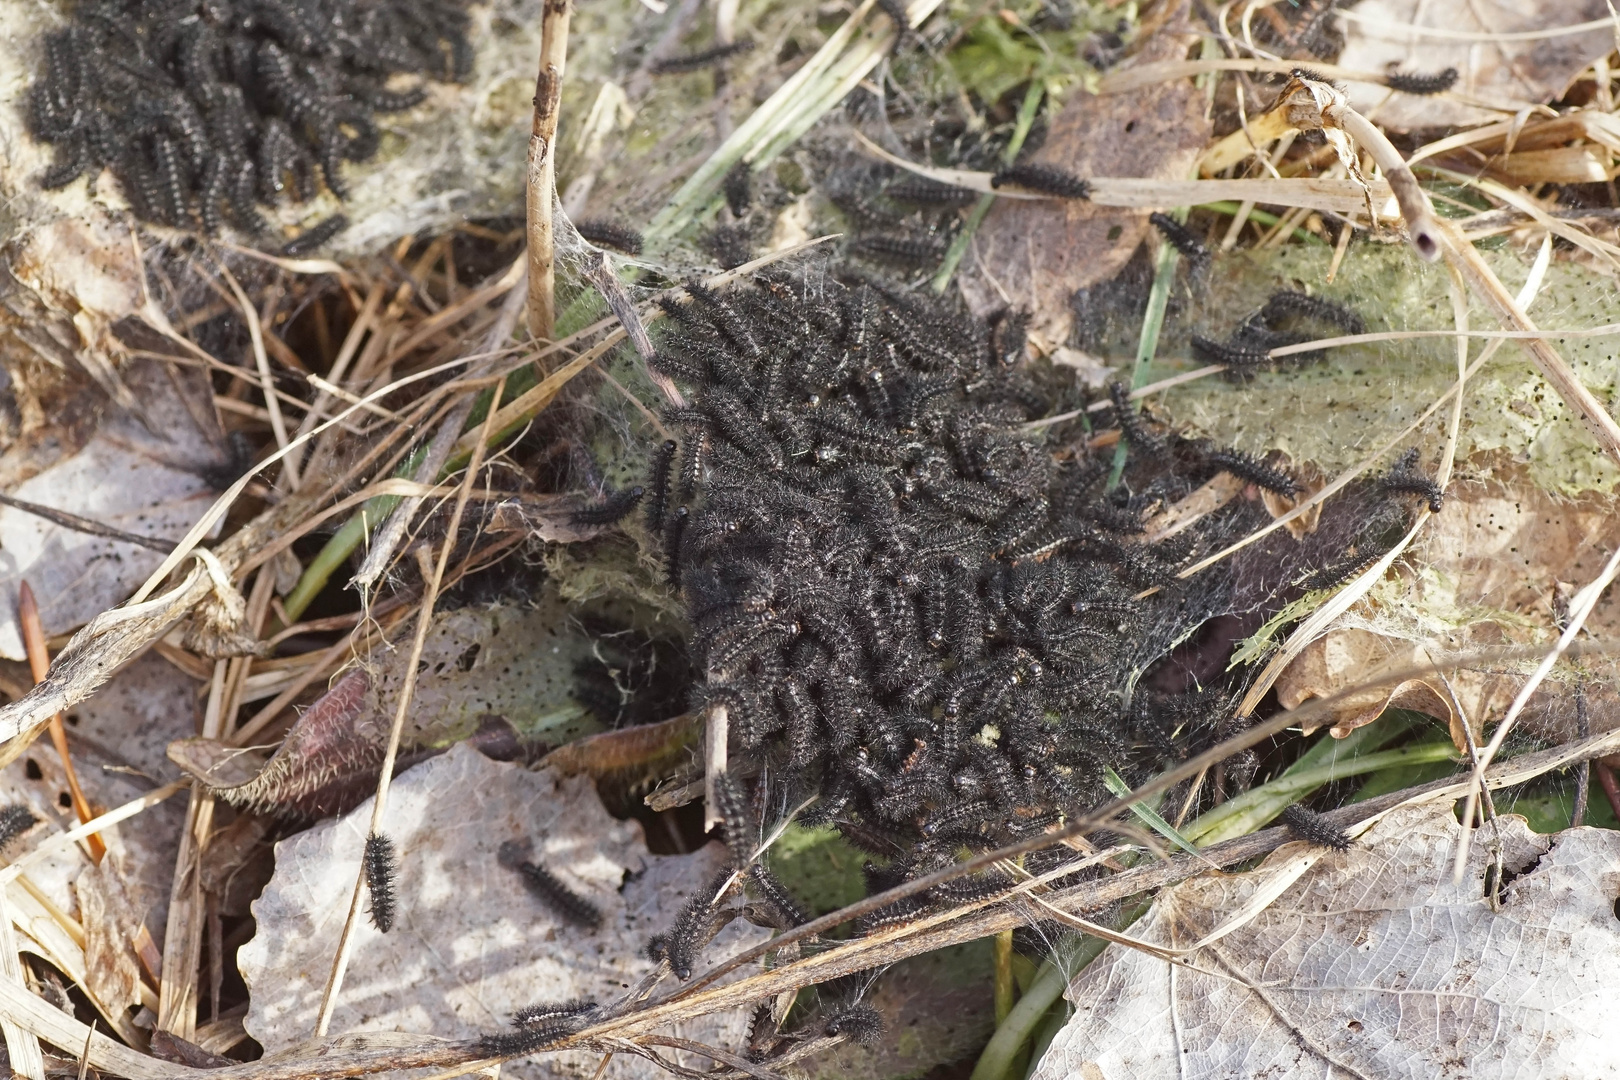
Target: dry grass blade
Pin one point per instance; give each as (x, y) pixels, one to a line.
(433, 578)
(1309, 193)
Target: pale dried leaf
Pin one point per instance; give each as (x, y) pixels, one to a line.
(108, 915)
(1487, 572)
(1372, 964)
(471, 945)
(145, 472)
(1511, 73)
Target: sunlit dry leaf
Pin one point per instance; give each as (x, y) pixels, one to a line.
(146, 472)
(1512, 73)
(470, 945)
(1371, 964)
(1486, 573)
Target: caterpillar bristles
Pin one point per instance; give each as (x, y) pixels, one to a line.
(736, 820)
(1313, 828)
(610, 234)
(1412, 83)
(1255, 471)
(675, 65)
(528, 1039)
(15, 820)
(1045, 179)
(861, 1024)
(382, 872)
(547, 887)
(1182, 239)
(1405, 479)
(556, 1010)
(609, 510)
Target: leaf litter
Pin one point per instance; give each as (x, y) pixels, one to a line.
(1531, 478)
(471, 945)
(1374, 963)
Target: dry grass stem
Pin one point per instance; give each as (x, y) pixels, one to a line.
(541, 186)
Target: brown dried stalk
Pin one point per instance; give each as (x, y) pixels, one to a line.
(39, 665)
(542, 174)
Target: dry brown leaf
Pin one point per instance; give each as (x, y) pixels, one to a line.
(1372, 964)
(1032, 255)
(1512, 73)
(110, 920)
(1489, 571)
(470, 945)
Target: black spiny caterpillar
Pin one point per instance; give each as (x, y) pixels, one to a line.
(15, 820)
(610, 234)
(312, 238)
(549, 888)
(1255, 471)
(1182, 239)
(611, 509)
(1405, 479)
(554, 1010)
(1046, 179)
(382, 877)
(1313, 828)
(202, 113)
(673, 65)
(1412, 83)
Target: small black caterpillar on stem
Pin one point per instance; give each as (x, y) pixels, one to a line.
(1313, 828)
(382, 874)
(737, 822)
(1045, 179)
(1131, 425)
(1405, 479)
(1257, 472)
(610, 234)
(692, 929)
(1341, 571)
(610, 509)
(776, 895)
(738, 187)
(529, 1038)
(553, 1010)
(929, 193)
(15, 820)
(674, 65)
(861, 1024)
(1242, 359)
(313, 237)
(1182, 239)
(549, 888)
(1412, 83)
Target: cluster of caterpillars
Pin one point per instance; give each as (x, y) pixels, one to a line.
(205, 108)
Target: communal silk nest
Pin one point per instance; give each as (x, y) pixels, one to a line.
(939, 622)
(204, 108)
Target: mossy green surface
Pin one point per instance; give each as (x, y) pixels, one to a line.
(1333, 413)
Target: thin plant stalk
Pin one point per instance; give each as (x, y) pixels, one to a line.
(433, 574)
(542, 170)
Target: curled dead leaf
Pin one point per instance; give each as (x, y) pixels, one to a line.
(1486, 573)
